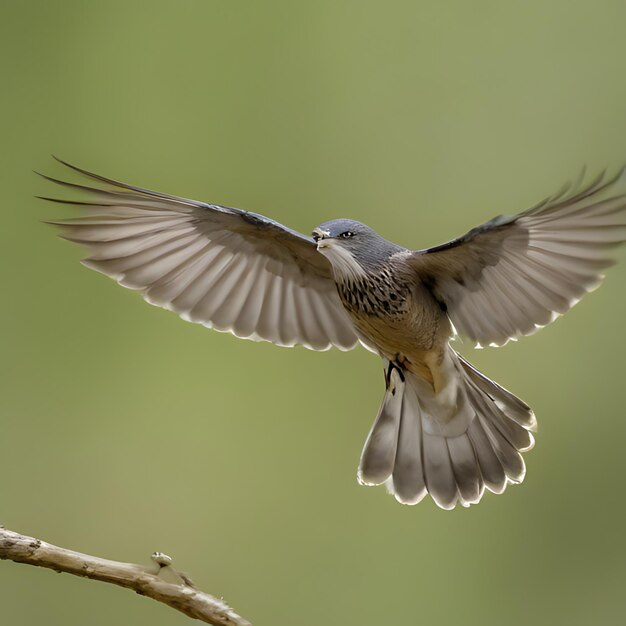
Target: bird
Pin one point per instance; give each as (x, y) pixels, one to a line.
(443, 427)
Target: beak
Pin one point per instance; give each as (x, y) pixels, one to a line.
(320, 237)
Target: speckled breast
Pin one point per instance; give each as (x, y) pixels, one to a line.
(397, 317)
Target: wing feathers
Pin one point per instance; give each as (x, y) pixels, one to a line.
(254, 291)
(225, 268)
(512, 276)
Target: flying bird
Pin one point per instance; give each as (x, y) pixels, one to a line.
(443, 427)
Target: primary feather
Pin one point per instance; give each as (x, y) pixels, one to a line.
(511, 276)
(228, 269)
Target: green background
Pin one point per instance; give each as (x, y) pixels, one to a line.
(124, 430)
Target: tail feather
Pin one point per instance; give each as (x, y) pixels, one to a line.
(438, 471)
(511, 459)
(514, 407)
(379, 453)
(496, 422)
(409, 484)
(466, 470)
(517, 436)
(418, 445)
(491, 469)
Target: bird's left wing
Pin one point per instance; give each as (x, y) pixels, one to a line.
(228, 269)
(513, 275)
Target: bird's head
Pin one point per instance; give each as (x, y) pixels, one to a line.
(348, 233)
(352, 247)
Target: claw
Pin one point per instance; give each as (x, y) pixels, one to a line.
(393, 365)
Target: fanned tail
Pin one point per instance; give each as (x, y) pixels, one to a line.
(419, 444)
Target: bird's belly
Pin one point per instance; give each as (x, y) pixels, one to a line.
(410, 332)
(394, 335)
(396, 318)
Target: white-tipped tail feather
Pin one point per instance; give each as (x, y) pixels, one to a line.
(417, 446)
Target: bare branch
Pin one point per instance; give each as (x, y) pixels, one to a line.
(145, 580)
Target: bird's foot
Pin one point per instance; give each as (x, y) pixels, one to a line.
(393, 365)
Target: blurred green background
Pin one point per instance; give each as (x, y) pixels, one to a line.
(125, 430)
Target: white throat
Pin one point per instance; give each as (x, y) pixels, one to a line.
(345, 266)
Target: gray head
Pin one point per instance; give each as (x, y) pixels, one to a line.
(352, 247)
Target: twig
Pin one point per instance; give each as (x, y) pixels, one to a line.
(145, 580)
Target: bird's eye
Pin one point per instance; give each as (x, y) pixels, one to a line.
(316, 236)
(347, 234)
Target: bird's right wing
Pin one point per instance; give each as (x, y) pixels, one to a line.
(228, 269)
(513, 275)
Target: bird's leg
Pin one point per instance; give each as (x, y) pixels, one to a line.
(393, 365)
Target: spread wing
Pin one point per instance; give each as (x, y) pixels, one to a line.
(228, 269)
(513, 275)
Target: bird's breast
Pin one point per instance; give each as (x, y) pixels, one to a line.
(390, 313)
(378, 295)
